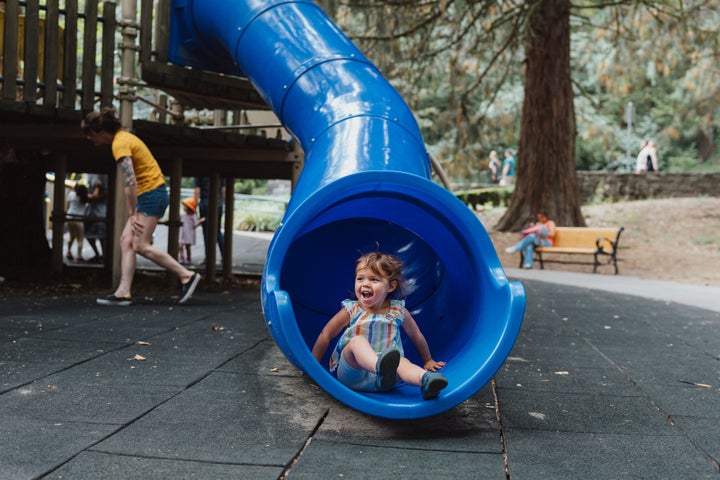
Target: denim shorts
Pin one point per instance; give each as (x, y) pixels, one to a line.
(153, 203)
(358, 380)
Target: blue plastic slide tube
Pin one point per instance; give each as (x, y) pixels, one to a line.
(365, 186)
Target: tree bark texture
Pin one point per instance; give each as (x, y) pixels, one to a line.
(546, 157)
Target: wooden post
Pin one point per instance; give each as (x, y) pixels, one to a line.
(52, 52)
(10, 41)
(31, 47)
(227, 270)
(58, 213)
(212, 228)
(70, 60)
(174, 217)
(162, 30)
(108, 54)
(88, 55)
(127, 96)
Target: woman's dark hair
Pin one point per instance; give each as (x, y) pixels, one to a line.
(104, 120)
(82, 192)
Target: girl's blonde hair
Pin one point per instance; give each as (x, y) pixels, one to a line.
(385, 265)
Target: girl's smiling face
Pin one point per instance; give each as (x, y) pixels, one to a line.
(372, 289)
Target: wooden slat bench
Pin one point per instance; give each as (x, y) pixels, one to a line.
(583, 241)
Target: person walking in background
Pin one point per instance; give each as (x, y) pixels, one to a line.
(147, 198)
(647, 158)
(369, 354)
(77, 202)
(494, 166)
(202, 195)
(540, 234)
(190, 222)
(508, 170)
(95, 229)
(653, 165)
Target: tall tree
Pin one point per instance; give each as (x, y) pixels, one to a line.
(546, 158)
(458, 62)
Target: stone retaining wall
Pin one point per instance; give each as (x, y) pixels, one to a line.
(613, 187)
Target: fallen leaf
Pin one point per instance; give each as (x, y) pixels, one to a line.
(516, 359)
(137, 357)
(562, 372)
(538, 415)
(274, 370)
(215, 327)
(703, 385)
(143, 343)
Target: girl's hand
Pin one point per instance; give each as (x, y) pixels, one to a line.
(433, 366)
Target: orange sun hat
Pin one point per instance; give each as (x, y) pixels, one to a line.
(191, 203)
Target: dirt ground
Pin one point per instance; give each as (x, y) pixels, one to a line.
(674, 239)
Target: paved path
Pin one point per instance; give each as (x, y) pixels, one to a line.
(600, 385)
(704, 296)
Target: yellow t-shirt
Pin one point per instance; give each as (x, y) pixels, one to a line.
(148, 175)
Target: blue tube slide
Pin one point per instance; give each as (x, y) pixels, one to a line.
(365, 186)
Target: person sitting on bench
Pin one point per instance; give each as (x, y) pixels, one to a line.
(541, 234)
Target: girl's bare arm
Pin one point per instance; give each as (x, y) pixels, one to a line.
(339, 321)
(418, 339)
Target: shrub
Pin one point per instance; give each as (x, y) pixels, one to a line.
(480, 197)
(259, 222)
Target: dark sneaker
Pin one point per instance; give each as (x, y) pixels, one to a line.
(113, 300)
(432, 383)
(187, 288)
(386, 369)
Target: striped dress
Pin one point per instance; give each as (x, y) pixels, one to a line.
(381, 330)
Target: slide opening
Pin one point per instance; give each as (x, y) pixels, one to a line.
(451, 290)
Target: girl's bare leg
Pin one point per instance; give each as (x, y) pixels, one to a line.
(360, 355)
(410, 373)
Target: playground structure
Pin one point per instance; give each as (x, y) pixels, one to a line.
(114, 53)
(365, 186)
(365, 176)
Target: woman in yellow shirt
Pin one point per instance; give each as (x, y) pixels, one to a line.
(147, 198)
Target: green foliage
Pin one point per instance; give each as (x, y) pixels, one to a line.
(259, 214)
(459, 64)
(259, 222)
(481, 197)
(249, 186)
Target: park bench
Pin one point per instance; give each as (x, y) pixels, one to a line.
(598, 242)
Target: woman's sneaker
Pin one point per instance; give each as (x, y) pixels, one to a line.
(187, 288)
(113, 300)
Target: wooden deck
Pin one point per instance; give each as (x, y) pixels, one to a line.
(59, 63)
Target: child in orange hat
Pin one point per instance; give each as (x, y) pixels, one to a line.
(190, 222)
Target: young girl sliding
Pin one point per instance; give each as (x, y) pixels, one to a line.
(369, 354)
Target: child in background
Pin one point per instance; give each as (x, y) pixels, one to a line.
(76, 211)
(369, 354)
(494, 166)
(190, 222)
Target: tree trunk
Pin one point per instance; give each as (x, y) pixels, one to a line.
(546, 157)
